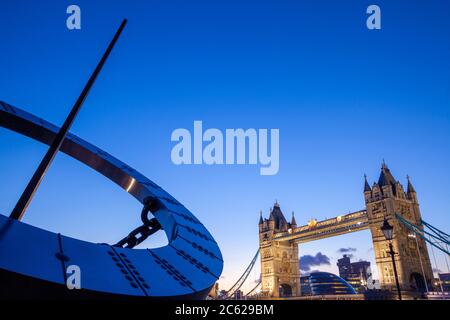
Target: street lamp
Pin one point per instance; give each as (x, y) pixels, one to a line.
(388, 232)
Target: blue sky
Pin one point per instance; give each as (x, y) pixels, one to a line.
(342, 96)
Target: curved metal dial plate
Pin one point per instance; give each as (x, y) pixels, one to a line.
(187, 267)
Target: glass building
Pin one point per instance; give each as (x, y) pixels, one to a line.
(355, 273)
(324, 283)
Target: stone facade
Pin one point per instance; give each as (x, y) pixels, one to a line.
(384, 199)
(279, 259)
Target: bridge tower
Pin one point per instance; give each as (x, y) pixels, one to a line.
(279, 259)
(385, 198)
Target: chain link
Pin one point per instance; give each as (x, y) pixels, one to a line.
(148, 227)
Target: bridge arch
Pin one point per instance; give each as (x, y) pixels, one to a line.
(417, 282)
(285, 290)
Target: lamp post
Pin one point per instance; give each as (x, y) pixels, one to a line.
(388, 232)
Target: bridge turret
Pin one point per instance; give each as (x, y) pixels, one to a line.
(366, 185)
(411, 192)
(262, 223)
(293, 222)
(367, 189)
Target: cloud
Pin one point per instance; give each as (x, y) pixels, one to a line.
(346, 250)
(308, 261)
(307, 273)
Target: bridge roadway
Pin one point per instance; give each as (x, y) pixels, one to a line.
(316, 230)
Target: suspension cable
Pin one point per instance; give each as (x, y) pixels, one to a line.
(421, 233)
(446, 258)
(242, 278)
(254, 288)
(436, 229)
(435, 263)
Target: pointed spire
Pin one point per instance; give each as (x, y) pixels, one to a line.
(276, 204)
(386, 177)
(293, 222)
(277, 216)
(410, 186)
(271, 217)
(366, 184)
(261, 221)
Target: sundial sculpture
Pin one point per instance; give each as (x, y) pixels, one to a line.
(33, 262)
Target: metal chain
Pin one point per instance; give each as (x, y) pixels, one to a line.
(148, 227)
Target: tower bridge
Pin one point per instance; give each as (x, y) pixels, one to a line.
(385, 199)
